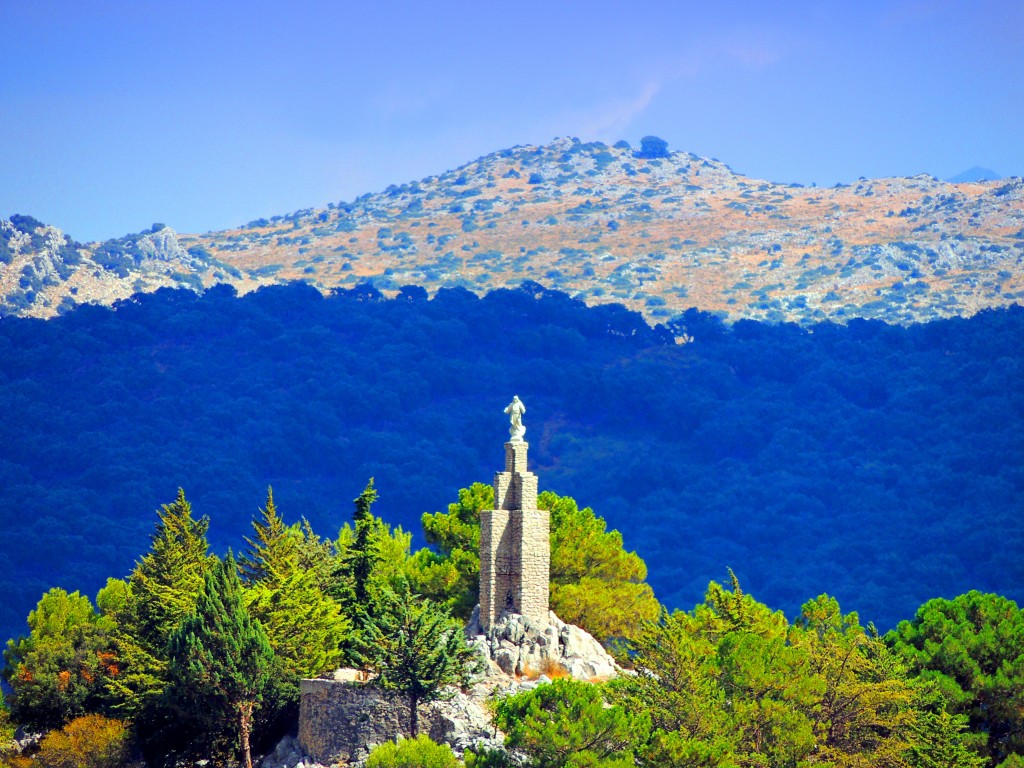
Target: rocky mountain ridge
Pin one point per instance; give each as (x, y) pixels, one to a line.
(655, 230)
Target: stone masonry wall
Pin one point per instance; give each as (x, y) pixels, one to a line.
(534, 558)
(514, 545)
(496, 561)
(340, 721)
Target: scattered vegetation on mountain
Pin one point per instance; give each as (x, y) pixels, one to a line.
(658, 231)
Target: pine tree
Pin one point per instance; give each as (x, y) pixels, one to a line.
(220, 659)
(165, 582)
(416, 648)
(162, 590)
(272, 548)
(306, 627)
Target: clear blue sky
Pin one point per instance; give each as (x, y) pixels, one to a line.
(205, 115)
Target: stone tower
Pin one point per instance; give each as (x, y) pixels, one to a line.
(515, 554)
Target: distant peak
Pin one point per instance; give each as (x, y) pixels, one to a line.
(975, 173)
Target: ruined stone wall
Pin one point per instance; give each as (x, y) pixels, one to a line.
(514, 545)
(340, 721)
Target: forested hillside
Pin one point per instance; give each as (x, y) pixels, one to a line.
(881, 464)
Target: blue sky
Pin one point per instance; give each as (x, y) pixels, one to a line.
(205, 115)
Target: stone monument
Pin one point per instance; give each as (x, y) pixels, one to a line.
(515, 554)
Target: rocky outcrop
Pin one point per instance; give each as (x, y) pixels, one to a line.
(520, 648)
(342, 718)
(161, 245)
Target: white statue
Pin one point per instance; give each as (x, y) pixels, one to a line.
(515, 411)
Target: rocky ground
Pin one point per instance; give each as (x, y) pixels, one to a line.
(518, 657)
(658, 234)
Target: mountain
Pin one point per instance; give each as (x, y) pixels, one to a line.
(975, 173)
(657, 231)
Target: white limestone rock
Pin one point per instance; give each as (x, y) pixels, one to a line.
(518, 648)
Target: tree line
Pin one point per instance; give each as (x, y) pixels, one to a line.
(878, 463)
(197, 656)
(193, 653)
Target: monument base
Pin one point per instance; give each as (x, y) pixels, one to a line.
(519, 647)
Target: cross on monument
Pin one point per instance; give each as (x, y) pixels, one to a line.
(515, 548)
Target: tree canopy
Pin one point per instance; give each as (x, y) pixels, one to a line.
(972, 649)
(751, 444)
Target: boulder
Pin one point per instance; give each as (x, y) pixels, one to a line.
(518, 648)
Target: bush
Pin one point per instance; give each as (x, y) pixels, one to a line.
(91, 741)
(491, 758)
(566, 724)
(652, 147)
(420, 752)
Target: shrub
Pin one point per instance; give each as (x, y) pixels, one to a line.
(492, 758)
(420, 752)
(652, 147)
(91, 741)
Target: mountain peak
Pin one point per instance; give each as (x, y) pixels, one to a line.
(659, 231)
(975, 173)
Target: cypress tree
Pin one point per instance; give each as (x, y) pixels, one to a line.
(364, 553)
(220, 658)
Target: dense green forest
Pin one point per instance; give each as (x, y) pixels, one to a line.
(196, 656)
(881, 464)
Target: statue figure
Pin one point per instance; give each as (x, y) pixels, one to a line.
(515, 411)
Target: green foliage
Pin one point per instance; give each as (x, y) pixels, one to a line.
(364, 554)
(941, 740)
(567, 723)
(733, 683)
(972, 649)
(161, 592)
(369, 559)
(595, 583)
(416, 648)
(485, 757)
(451, 575)
(305, 626)
(165, 583)
(90, 741)
(6, 732)
(56, 673)
(220, 662)
(419, 752)
(272, 551)
(112, 599)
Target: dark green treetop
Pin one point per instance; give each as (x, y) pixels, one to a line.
(220, 662)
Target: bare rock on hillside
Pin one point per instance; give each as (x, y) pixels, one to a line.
(519, 649)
